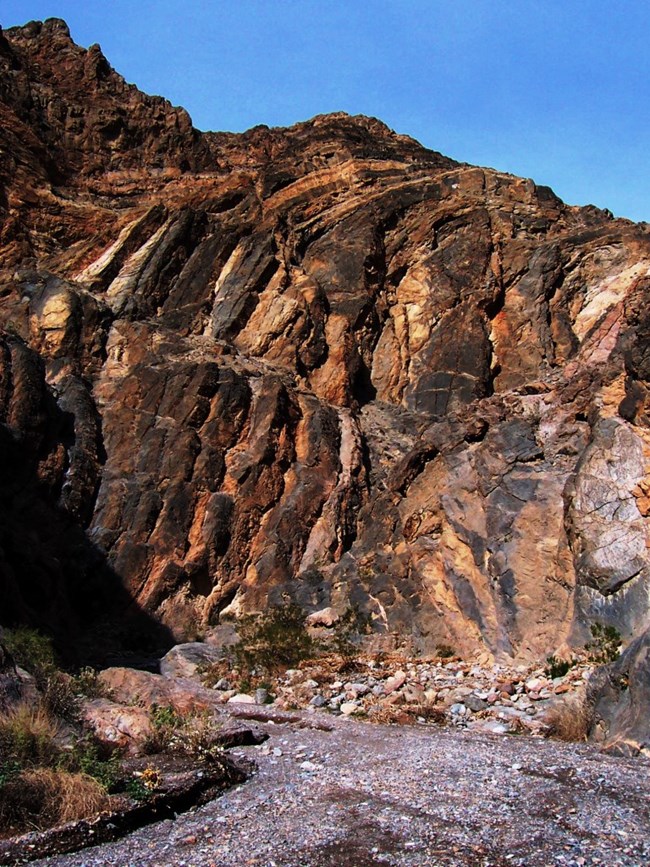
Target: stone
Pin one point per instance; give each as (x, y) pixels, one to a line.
(325, 617)
(349, 707)
(118, 727)
(318, 701)
(185, 660)
(475, 704)
(413, 693)
(241, 698)
(261, 696)
(358, 689)
(620, 696)
(394, 682)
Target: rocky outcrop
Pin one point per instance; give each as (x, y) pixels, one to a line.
(620, 695)
(322, 364)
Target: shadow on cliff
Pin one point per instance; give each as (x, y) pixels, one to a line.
(54, 579)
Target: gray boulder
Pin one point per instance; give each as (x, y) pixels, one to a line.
(620, 695)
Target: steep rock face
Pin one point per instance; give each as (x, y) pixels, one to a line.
(620, 694)
(321, 363)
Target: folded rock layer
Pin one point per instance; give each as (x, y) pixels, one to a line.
(321, 364)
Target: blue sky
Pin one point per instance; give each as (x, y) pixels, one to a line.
(556, 90)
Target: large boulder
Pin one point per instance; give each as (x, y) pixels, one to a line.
(185, 660)
(620, 694)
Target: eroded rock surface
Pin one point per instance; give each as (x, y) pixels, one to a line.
(320, 363)
(620, 693)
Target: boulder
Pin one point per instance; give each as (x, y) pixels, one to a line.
(620, 695)
(184, 660)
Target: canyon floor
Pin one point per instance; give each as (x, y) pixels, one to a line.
(335, 791)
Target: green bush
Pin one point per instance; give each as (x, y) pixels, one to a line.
(274, 640)
(31, 651)
(59, 696)
(165, 722)
(445, 651)
(557, 667)
(89, 757)
(606, 644)
(348, 630)
(87, 684)
(9, 768)
(34, 652)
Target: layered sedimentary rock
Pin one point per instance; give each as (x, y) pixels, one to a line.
(320, 363)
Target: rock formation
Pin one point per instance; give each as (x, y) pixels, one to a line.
(321, 363)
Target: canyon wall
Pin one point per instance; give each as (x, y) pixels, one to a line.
(320, 363)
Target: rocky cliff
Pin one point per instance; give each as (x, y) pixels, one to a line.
(320, 363)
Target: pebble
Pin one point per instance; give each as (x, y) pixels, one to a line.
(349, 707)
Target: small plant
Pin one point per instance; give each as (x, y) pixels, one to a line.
(198, 738)
(194, 734)
(352, 624)
(59, 696)
(445, 651)
(89, 757)
(606, 644)
(8, 770)
(557, 667)
(42, 797)
(165, 723)
(275, 639)
(31, 651)
(28, 736)
(570, 720)
(87, 684)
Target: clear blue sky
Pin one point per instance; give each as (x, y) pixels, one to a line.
(556, 90)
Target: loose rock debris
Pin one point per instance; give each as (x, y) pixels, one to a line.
(420, 795)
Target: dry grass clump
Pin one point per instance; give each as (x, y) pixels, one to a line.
(570, 720)
(28, 735)
(41, 797)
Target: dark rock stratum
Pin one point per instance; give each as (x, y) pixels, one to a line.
(320, 363)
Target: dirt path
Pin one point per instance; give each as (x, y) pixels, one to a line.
(364, 794)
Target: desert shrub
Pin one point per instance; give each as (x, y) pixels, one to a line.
(569, 720)
(9, 768)
(28, 736)
(557, 667)
(143, 784)
(43, 797)
(194, 734)
(274, 640)
(198, 737)
(34, 652)
(87, 683)
(445, 651)
(88, 756)
(59, 696)
(606, 644)
(165, 722)
(31, 651)
(347, 632)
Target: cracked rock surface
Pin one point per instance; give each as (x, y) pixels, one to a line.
(320, 363)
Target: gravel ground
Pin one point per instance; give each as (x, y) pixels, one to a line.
(365, 794)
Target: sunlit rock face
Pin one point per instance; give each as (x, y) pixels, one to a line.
(319, 363)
